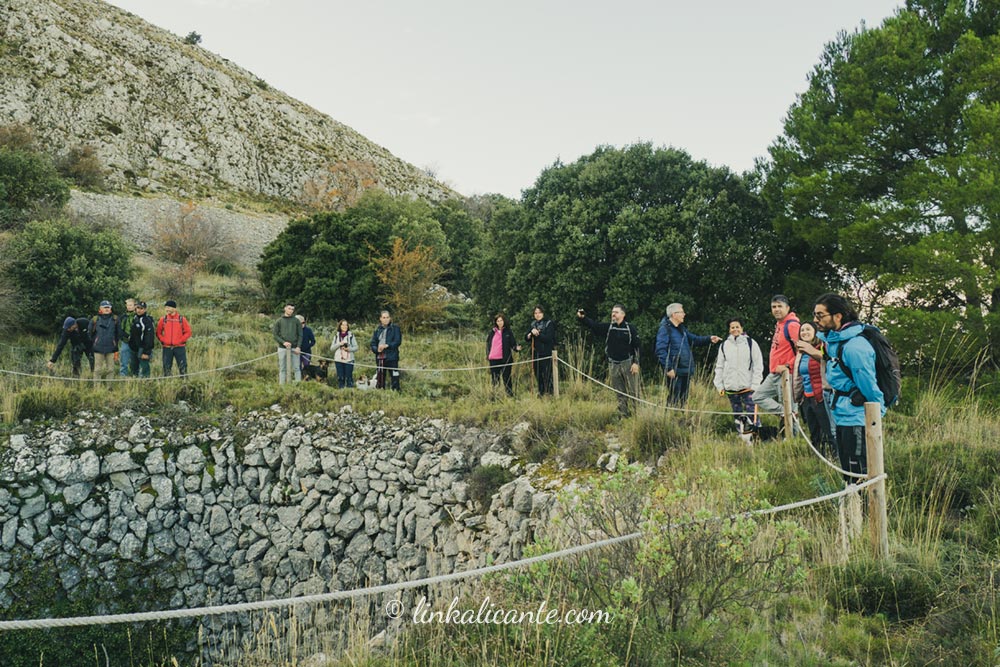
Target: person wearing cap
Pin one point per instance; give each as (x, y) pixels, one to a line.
(104, 331)
(782, 357)
(141, 339)
(76, 333)
(287, 331)
(124, 331)
(173, 332)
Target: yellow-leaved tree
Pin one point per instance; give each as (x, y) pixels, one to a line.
(408, 278)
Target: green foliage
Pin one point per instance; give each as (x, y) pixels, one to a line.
(28, 181)
(192, 38)
(885, 175)
(899, 591)
(63, 269)
(464, 233)
(654, 432)
(37, 591)
(484, 481)
(82, 166)
(638, 225)
(324, 265)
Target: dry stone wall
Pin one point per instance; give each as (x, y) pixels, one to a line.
(275, 505)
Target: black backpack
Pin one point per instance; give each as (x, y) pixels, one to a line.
(887, 372)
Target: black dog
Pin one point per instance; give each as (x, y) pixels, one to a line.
(316, 372)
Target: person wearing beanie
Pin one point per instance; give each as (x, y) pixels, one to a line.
(104, 331)
(173, 332)
(75, 332)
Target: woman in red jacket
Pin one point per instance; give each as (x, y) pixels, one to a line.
(807, 388)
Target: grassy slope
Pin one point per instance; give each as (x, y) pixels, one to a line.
(934, 603)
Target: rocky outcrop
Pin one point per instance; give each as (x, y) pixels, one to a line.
(166, 115)
(277, 505)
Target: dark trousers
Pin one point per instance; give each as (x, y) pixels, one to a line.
(500, 369)
(345, 374)
(817, 418)
(138, 367)
(76, 358)
(852, 450)
(678, 388)
(387, 374)
(543, 375)
(178, 354)
(743, 407)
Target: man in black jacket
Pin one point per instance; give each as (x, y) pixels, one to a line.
(75, 332)
(542, 336)
(621, 346)
(140, 341)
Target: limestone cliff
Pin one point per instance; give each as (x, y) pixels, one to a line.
(169, 116)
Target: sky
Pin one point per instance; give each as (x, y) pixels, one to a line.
(487, 94)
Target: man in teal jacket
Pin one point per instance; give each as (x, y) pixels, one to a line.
(852, 387)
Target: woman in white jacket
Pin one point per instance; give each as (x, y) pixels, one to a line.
(344, 346)
(739, 370)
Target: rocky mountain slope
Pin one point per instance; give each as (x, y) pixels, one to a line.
(164, 115)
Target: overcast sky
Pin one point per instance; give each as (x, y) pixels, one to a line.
(489, 93)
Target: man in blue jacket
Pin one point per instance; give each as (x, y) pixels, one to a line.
(673, 351)
(846, 347)
(385, 344)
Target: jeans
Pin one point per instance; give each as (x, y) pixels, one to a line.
(678, 388)
(283, 354)
(178, 354)
(125, 357)
(345, 374)
(768, 395)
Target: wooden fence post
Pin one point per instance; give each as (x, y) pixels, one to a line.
(786, 396)
(555, 374)
(877, 509)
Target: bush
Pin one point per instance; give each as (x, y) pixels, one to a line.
(192, 38)
(900, 591)
(484, 481)
(579, 448)
(188, 238)
(28, 181)
(61, 269)
(82, 166)
(652, 432)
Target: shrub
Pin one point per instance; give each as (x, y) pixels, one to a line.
(28, 181)
(192, 38)
(900, 591)
(188, 237)
(579, 448)
(82, 166)
(61, 269)
(652, 432)
(17, 137)
(484, 481)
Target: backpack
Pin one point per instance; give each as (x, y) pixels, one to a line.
(887, 372)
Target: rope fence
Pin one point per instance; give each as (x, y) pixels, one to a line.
(137, 617)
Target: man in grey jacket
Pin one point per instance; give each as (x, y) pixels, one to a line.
(287, 332)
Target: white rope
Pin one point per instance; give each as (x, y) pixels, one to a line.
(436, 370)
(44, 623)
(140, 379)
(642, 400)
(823, 458)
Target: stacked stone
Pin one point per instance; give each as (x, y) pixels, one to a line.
(277, 505)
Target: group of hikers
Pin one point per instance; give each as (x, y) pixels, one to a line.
(831, 362)
(124, 344)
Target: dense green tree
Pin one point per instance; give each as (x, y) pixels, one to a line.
(464, 232)
(324, 266)
(28, 181)
(61, 269)
(885, 178)
(639, 225)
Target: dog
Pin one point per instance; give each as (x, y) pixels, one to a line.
(317, 372)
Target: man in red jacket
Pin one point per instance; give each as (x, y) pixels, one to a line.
(786, 332)
(173, 330)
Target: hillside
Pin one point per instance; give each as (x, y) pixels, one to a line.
(167, 116)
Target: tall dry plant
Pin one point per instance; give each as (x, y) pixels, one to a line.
(408, 278)
(188, 237)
